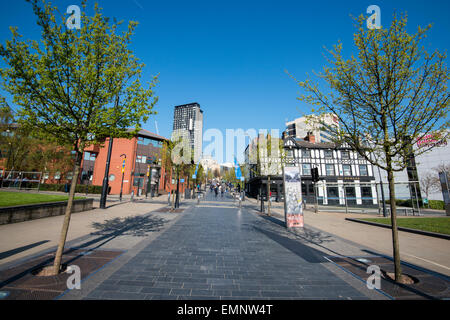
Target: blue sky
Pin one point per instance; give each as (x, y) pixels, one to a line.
(230, 56)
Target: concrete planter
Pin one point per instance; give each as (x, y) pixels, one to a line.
(41, 210)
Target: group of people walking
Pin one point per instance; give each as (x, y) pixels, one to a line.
(220, 188)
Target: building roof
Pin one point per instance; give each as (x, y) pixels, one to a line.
(148, 134)
(317, 145)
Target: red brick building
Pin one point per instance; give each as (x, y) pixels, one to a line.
(142, 172)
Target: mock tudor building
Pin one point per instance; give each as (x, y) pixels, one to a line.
(342, 172)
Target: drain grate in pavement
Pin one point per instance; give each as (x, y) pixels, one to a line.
(429, 285)
(18, 283)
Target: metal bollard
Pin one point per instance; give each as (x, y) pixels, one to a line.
(132, 195)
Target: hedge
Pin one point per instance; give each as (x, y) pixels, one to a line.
(80, 188)
(432, 204)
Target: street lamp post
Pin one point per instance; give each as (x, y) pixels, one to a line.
(123, 174)
(177, 199)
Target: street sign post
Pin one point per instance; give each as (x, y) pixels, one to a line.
(123, 174)
(149, 181)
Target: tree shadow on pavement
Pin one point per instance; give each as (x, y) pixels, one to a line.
(136, 226)
(307, 253)
(12, 252)
(317, 238)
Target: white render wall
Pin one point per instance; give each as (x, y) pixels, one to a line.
(425, 164)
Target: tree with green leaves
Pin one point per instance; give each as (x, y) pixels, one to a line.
(177, 158)
(269, 158)
(387, 97)
(200, 174)
(76, 86)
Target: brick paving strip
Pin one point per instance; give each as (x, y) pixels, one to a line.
(21, 284)
(216, 251)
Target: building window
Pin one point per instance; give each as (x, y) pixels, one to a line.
(345, 155)
(57, 175)
(141, 159)
(347, 170)
(366, 195)
(90, 156)
(290, 153)
(306, 153)
(151, 160)
(328, 154)
(330, 169)
(306, 168)
(333, 195)
(363, 170)
(148, 141)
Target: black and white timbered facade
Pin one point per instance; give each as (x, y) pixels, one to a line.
(343, 173)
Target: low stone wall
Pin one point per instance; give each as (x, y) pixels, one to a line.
(41, 210)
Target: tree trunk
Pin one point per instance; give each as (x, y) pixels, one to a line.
(395, 243)
(268, 196)
(65, 226)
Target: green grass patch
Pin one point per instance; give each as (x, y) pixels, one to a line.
(10, 199)
(438, 225)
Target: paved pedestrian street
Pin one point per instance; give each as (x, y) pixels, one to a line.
(217, 251)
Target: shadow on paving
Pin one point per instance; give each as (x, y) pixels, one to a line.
(431, 285)
(308, 254)
(137, 226)
(12, 252)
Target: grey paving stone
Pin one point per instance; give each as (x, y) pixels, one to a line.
(181, 292)
(119, 288)
(136, 283)
(246, 293)
(96, 294)
(123, 296)
(214, 252)
(154, 290)
(192, 285)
